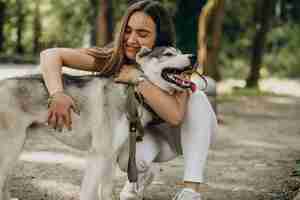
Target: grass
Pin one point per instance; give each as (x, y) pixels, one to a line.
(239, 92)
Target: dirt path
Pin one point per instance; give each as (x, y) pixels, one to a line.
(253, 157)
(255, 150)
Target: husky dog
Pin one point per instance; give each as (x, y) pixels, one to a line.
(102, 127)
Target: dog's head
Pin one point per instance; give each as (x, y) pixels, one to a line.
(164, 66)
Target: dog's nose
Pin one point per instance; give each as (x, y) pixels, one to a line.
(193, 59)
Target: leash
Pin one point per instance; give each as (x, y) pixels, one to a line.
(136, 131)
(194, 71)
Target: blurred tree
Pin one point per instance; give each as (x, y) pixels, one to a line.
(37, 27)
(2, 21)
(105, 23)
(264, 12)
(94, 5)
(20, 26)
(209, 37)
(66, 23)
(289, 10)
(186, 18)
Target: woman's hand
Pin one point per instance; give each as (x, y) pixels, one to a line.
(128, 74)
(59, 112)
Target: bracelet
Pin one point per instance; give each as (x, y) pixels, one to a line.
(52, 96)
(141, 78)
(75, 107)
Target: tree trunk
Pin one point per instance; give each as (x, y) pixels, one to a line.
(37, 28)
(263, 16)
(94, 5)
(217, 23)
(105, 23)
(2, 21)
(20, 26)
(185, 18)
(209, 37)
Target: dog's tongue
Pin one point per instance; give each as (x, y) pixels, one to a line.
(190, 84)
(193, 87)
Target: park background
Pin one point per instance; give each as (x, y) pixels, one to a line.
(252, 51)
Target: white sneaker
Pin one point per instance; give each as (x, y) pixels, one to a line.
(130, 192)
(187, 194)
(135, 191)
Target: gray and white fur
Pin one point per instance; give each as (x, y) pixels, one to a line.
(101, 128)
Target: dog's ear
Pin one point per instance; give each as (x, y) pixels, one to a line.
(144, 51)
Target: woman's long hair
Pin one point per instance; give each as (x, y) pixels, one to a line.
(115, 56)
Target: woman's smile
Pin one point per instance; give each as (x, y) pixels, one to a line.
(132, 49)
(140, 31)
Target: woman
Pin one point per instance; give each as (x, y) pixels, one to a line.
(146, 23)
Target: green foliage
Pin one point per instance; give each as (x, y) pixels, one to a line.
(65, 23)
(10, 26)
(69, 24)
(237, 39)
(283, 58)
(281, 54)
(120, 7)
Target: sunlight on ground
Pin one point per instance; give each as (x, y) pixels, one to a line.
(12, 70)
(282, 100)
(281, 86)
(52, 185)
(227, 85)
(277, 86)
(260, 144)
(70, 161)
(231, 187)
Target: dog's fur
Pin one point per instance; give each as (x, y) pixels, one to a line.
(101, 127)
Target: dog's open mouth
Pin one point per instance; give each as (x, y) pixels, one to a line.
(174, 76)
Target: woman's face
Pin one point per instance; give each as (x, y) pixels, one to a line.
(140, 31)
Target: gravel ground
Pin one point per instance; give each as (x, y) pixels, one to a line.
(253, 157)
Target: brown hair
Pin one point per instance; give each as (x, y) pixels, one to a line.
(115, 56)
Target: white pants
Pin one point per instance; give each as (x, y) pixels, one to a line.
(197, 132)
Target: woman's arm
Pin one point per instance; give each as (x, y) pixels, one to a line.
(52, 60)
(171, 108)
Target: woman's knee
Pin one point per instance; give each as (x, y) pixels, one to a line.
(167, 153)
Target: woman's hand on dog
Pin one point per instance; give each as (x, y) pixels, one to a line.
(59, 111)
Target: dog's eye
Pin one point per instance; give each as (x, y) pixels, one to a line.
(168, 54)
